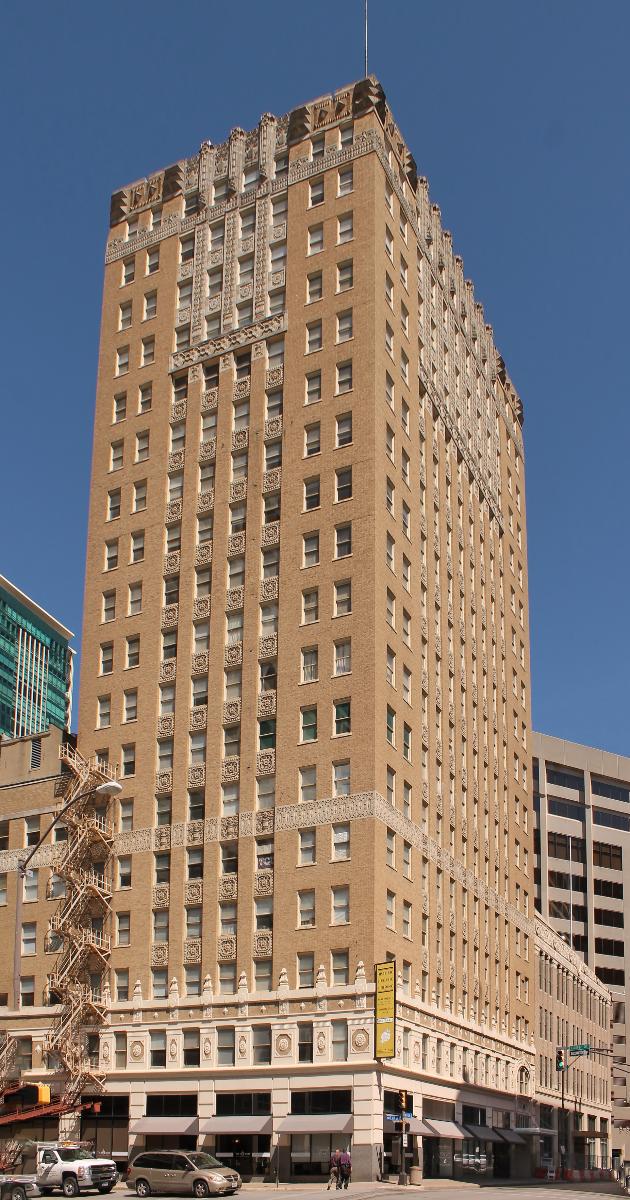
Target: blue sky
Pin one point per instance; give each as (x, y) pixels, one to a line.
(516, 112)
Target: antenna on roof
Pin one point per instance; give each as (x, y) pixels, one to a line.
(365, 6)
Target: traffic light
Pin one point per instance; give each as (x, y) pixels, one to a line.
(560, 1060)
(402, 1101)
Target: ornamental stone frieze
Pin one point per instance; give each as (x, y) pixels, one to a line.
(238, 490)
(210, 399)
(269, 589)
(198, 718)
(273, 428)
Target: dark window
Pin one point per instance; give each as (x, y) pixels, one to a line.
(608, 856)
(243, 1104)
(611, 976)
(611, 790)
(614, 820)
(558, 847)
(184, 1105)
(211, 375)
(608, 916)
(565, 808)
(609, 946)
(564, 779)
(322, 1102)
(608, 887)
(305, 1043)
(561, 879)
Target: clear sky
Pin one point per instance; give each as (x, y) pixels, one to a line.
(517, 113)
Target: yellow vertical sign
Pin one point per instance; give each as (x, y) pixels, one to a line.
(385, 1010)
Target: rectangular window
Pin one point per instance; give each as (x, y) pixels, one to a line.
(261, 1043)
(306, 971)
(345, 276)
(308, 725)
(311, 493)
(310, 549)
(343, 541)
(340, 905)
(315, 239)
(316, 192)
(307, 847)
(343, 427)
(344, 377)
(345, 184)
(343, 597)
(340, 961)
(306, 909)
(339, 1040)
(225, 1046)
(308, 784)
(343, 484)
(313, 387)
(345, 229)
(341, 841)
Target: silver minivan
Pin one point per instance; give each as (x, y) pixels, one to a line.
(181, 1172)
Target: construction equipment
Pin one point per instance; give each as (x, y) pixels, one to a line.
(77, 927)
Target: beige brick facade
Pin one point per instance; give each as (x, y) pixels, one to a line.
(306, 642)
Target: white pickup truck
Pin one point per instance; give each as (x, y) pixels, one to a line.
(72, 1168)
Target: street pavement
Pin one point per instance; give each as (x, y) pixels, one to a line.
(433, 1189)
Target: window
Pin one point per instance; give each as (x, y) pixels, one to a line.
(406, 684)
(160, 925)
(406, 919)
(194, 862)
(318, 146)
(390, 667)
(186, 249)
(311, 493)
(341, 841)
(342, 718)
(344, 326)
(142, 445)
(339, 1040)
(345, 231)
(163, 806)
(137, 546)
(225, 1046)
(340, 961)
(116, 455)
(315, 239)
(343, 434)
(406, 519)
(122, 360)
(261, 1042)
(135, 598)
(391, 726)
(104, 712)
(128, 760)
(389, 339)
(311, 440)
(248, 223)
(107, 658)
(316, 192)
(263, 913)
(310, 543)
(139, 496)
(109, 606)
(313, 386)
(310, 671)
(122, 984)
(310, 606)
(228, 919)
(343, 597)
(341, 778)
(29, 939)
(158, 1041)
(227, 979)
(343, 541)
(306, 909)
(27, 991)
(390, 910)
(406, 860)
(308, 784)
(307, 844)
(345, 184)
(313, 340)
(229, 858)
(340, 905)
(124, 871)
(407, 742)
(306, 976)
(148, 351)
(150, 305)
(405, 468)
(343, 657)
(308, 725)
(133, 651)
(153, 261)
(193, 921)
(344, 377)
(165, 754)
(262, 975)
(129, 270)
(31, 885)
(390, 552)
(314, 287)
(120, 406)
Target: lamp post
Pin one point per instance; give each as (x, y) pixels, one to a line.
(110, 787)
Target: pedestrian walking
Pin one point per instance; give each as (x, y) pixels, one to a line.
(345, 1169)
(334, 1170)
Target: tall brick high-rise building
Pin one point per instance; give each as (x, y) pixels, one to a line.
(306, 643)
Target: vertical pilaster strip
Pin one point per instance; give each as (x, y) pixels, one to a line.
(260, 264)
(197, 330)
(229, 254)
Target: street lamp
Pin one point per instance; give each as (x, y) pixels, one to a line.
(110, 787)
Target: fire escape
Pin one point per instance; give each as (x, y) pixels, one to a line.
(76, 982)
(78, 929)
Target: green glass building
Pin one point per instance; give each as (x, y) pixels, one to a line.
(35, 666)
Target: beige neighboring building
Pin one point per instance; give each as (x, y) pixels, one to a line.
(582, 804)
(306, 644)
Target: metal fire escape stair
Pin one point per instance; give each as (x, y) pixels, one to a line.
(83, 866)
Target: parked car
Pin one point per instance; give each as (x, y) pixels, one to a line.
(18, 1187)
(185, 1172)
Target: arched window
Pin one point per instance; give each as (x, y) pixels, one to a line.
(523, 1081)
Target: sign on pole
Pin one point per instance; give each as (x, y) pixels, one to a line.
(385, 1010)
(583, 1049)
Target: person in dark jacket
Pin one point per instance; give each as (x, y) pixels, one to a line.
(345, 1169)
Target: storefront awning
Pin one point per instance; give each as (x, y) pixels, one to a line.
(483, 1133)
(259, 1124)
(447, 1129)
(590, 1133)
(412, 1125)
(182, 1125)
(511, 1136)
(331, 1123)
(528, 1130)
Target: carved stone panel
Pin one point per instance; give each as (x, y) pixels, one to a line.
(210, 399)
(268, 646)
(226, 947)
(203, 555)
(161, 895)
(198, 717)
(274, 378)
(164, 781)
(270, 534)
(238, 490)
(267, 704)
(229, 828)
(269, 589)
(173, 511)
(265, 821)
(170, 616)
(193, 893)
(192, 950)
(228, 887)
(230, 769)
(205, 501)
(199, 663)
(231, 712)
(263, 945)
(159, 954)
(272, 480)
(233, 655)
(196, 777)
(234, 598)
(162, 837)
(165, 726)
(208, 450)
(201, 608)
(171, 563)
(265, 762)
(240, 439)
(236, 544)
(263, 883)
(273, 428)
